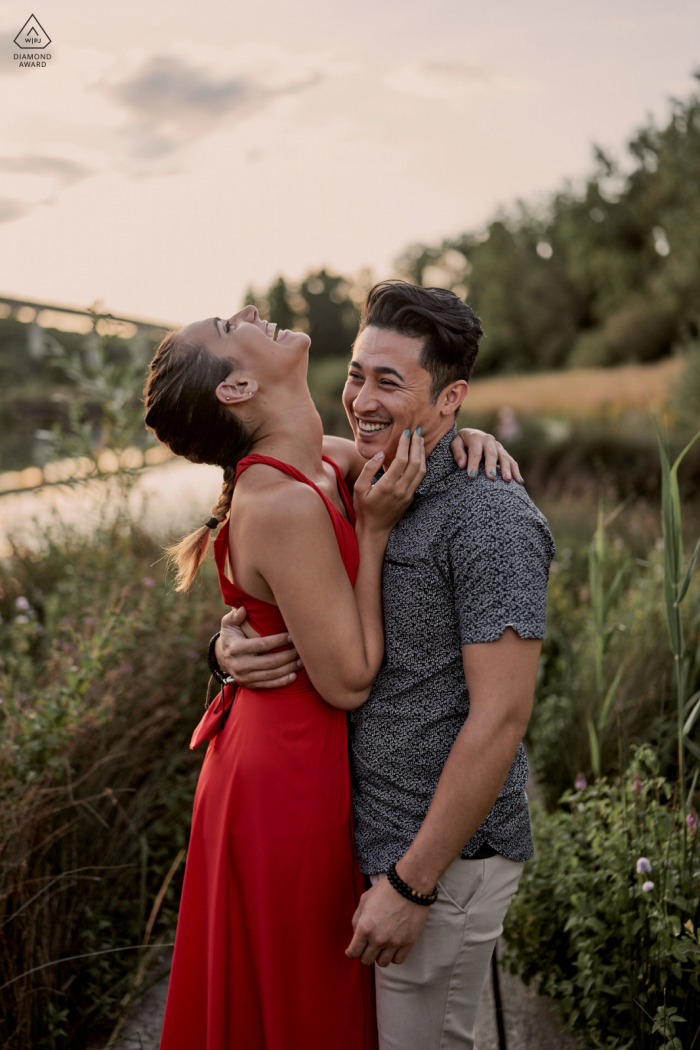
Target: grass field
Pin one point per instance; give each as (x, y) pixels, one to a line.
(579, 392)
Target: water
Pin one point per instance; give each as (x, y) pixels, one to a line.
(169, 499)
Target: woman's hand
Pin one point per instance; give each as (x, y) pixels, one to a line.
(470, 445)
(379, 507)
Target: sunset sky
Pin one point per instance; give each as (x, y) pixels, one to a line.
(169, 154)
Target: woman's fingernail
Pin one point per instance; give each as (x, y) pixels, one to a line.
(292, 677)
(472, 473)
(378, 455)
(506, 477)
(492, 473)
(289, 637)
(407, 433)
(300, 663)
(521, 479)
(419, 431)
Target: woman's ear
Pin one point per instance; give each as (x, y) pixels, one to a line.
(235, 391)
(453, 396)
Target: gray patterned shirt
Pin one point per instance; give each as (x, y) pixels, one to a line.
(469, 558)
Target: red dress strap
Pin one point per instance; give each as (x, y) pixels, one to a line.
(229, 591)
(287, 468)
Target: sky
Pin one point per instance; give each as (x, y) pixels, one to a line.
(168, 154)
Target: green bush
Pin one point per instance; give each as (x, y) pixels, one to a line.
(606, 917)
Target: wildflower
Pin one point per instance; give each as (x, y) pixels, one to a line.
(21, 604)
(90, 620)
(691, 822)
(21, 619)
(148, 581)
(647, 887)
(125, 668)
(580, 783)
(637, 784)
(643, 866)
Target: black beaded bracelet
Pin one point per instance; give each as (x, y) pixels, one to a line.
(216, 672)
(405, 890)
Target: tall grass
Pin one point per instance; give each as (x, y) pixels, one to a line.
(102, 680)
(677, 578)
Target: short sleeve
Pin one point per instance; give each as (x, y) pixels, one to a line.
(500, 554)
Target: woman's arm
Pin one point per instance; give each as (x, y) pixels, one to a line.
(468, 448)
(338, 632)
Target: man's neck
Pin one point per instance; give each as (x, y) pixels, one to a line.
(432, 439)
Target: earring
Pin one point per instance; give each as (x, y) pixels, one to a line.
(228, 398)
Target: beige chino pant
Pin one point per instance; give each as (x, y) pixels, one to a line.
(430, 1001)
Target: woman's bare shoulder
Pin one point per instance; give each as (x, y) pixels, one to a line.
(272, 500)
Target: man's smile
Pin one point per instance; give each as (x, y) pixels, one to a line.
(369, 426)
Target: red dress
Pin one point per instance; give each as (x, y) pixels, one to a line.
(272, 880)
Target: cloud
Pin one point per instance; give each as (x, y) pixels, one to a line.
(66, 172)
(171, 101)
(11, 209)
(450, 80)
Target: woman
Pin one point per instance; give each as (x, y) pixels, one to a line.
(271, 882)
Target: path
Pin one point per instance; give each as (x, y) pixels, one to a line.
(529, 1020)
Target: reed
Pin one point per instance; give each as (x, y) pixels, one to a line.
(677, 576)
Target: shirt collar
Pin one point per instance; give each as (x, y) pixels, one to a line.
(440, 464)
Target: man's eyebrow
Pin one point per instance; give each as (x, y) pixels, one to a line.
(379, 370)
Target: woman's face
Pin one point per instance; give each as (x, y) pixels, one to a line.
(251, 343)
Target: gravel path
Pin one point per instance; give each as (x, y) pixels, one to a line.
(530, 1022)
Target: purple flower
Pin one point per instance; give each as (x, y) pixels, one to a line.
(643, 866)
(21, 604)
(90, 620)
(21, 619)
(691, 822)
(647, 887)
(637, 784)
(125, 668)
(580, 783)
(148, 581)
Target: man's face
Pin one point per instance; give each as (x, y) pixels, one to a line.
(387, 392)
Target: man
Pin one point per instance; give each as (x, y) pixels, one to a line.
(438, 764)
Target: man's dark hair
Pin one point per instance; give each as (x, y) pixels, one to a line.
(449, 327)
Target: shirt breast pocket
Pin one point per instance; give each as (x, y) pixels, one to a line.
(415, 602)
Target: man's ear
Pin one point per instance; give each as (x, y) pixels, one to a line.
(236, 391)
(452, 397)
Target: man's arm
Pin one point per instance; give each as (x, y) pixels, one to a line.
(500, 676)
(249, 658)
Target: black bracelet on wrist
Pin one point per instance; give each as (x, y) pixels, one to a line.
(216, 672)
(405, 890)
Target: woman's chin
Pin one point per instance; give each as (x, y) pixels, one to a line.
(295, 341)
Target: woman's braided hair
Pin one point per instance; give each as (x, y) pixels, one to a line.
(184, 413)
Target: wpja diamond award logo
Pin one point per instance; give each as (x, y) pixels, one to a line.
(32, 41)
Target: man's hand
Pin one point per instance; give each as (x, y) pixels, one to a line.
(386, 926)
(248, 659)
(470, 445)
